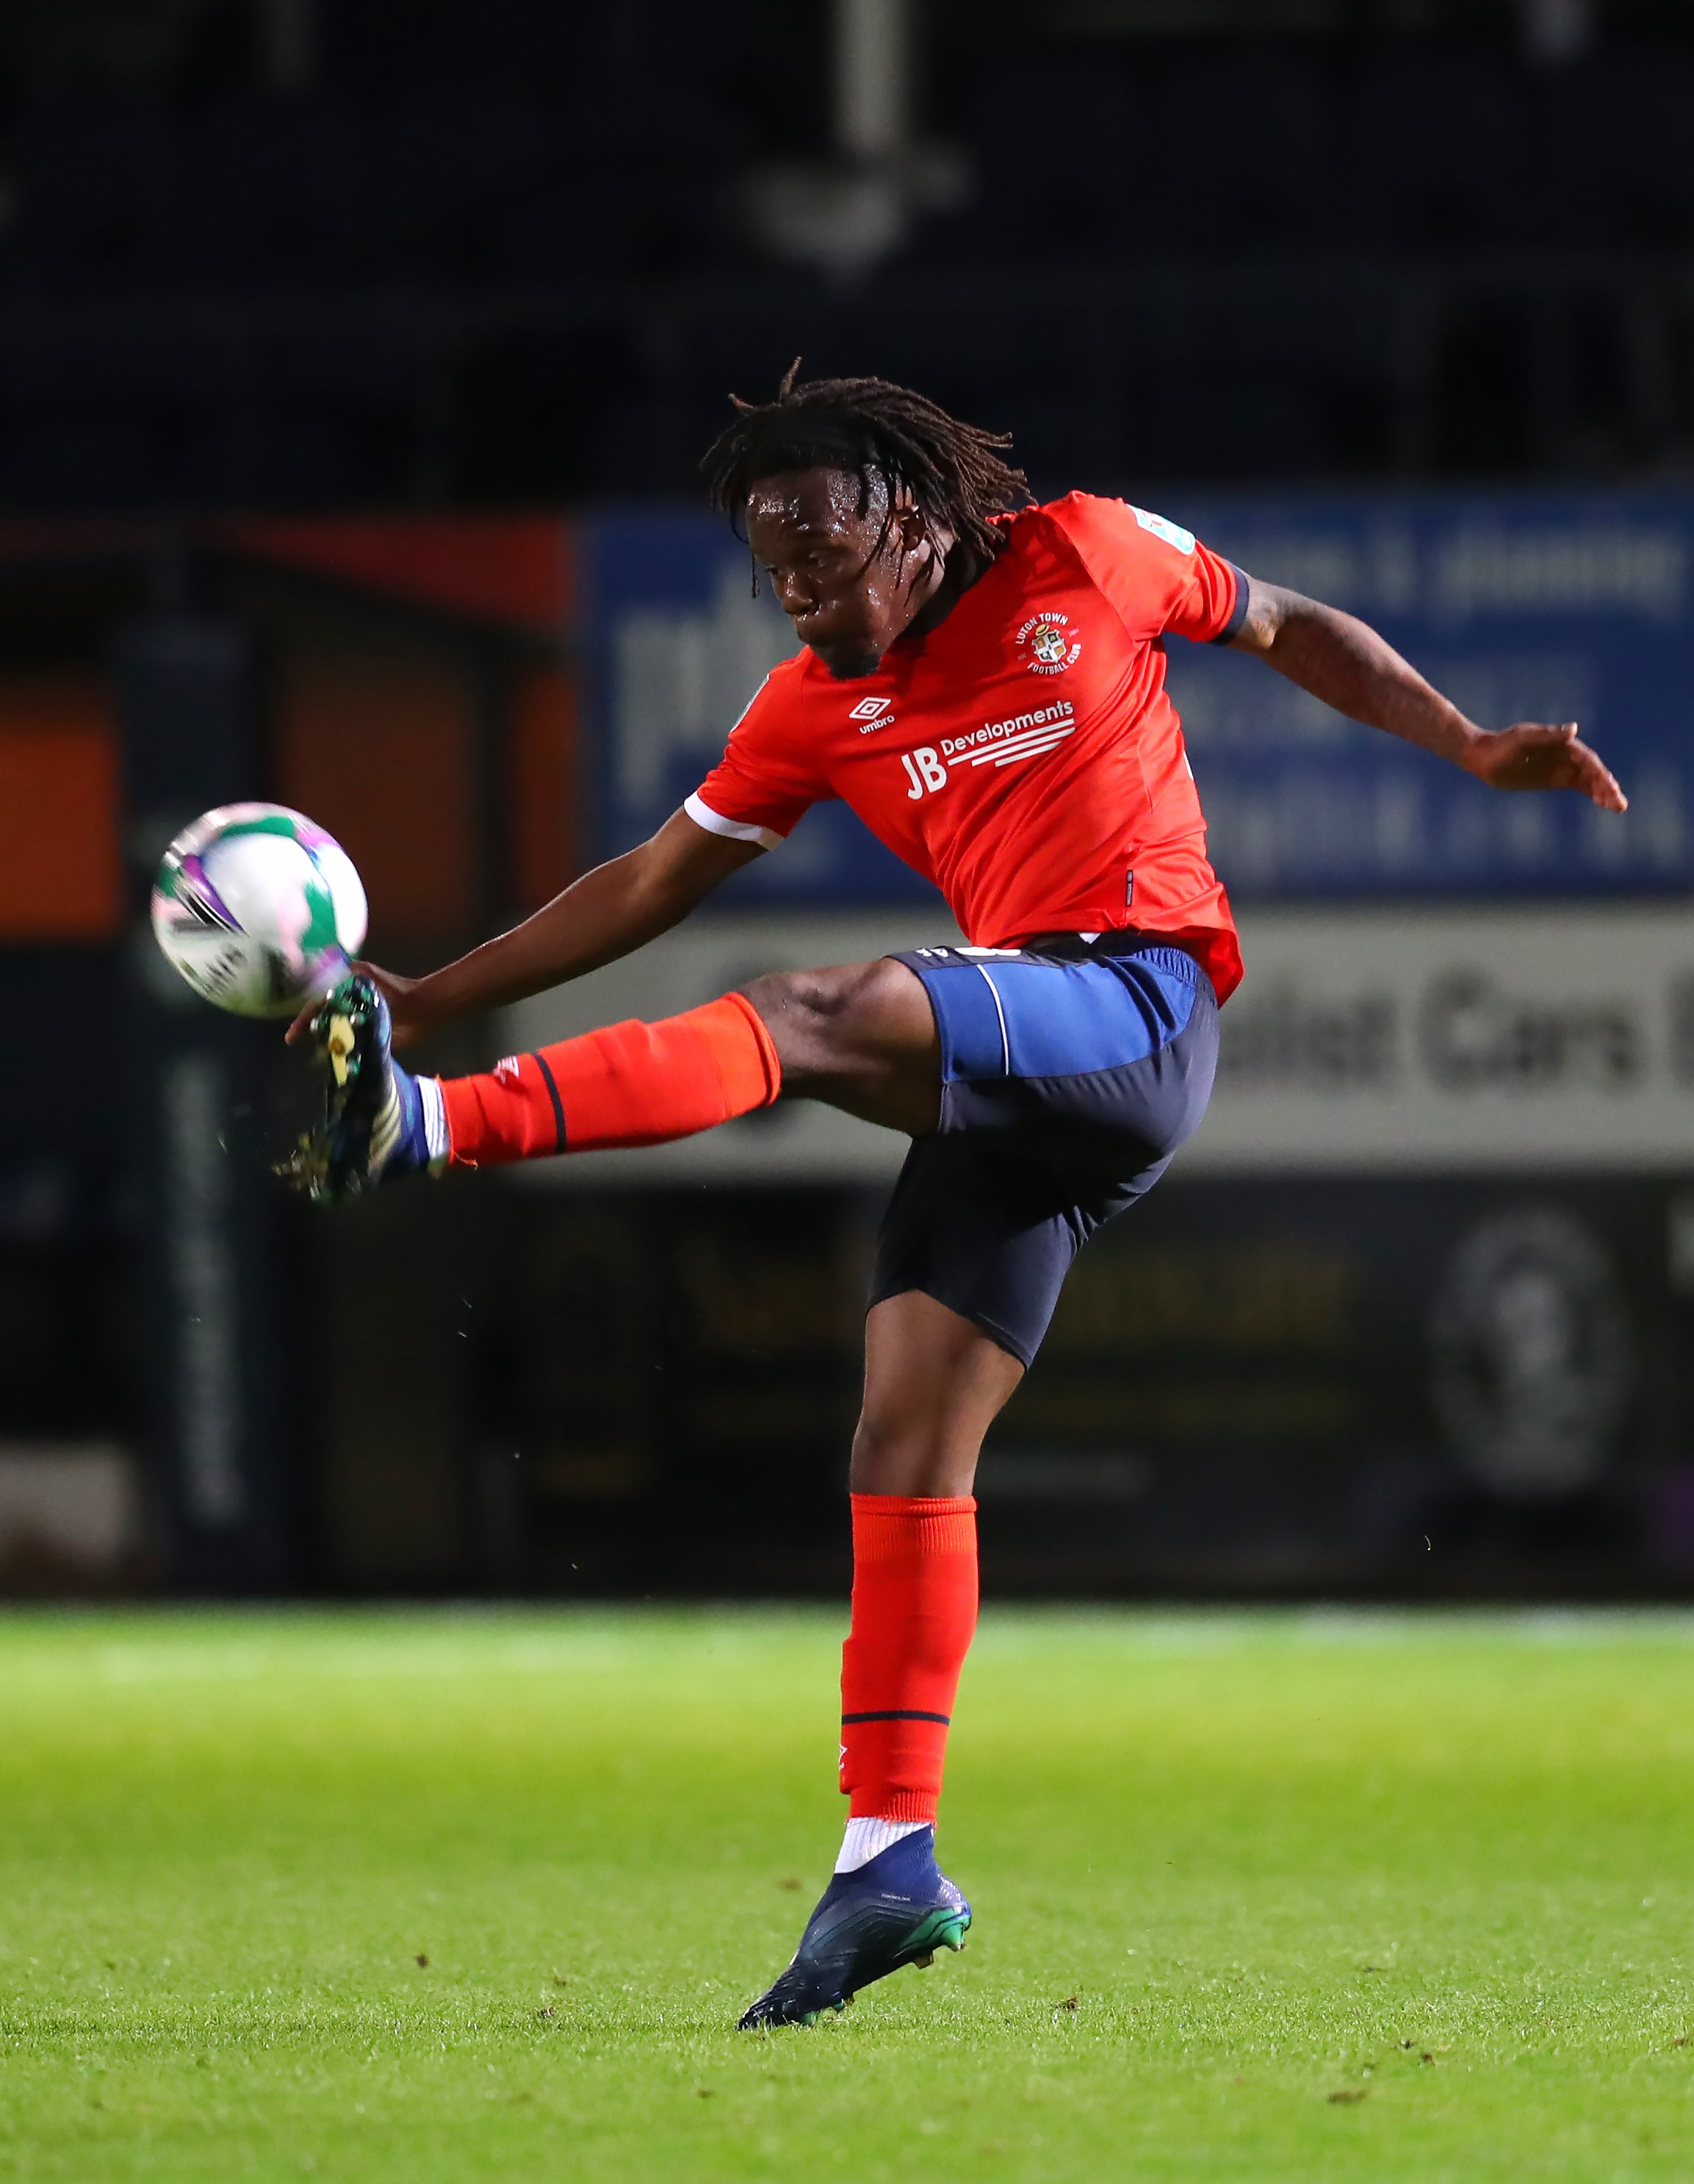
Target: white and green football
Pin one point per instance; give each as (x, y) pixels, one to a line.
(258, 908)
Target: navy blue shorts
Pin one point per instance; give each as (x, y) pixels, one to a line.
(1070, 1073)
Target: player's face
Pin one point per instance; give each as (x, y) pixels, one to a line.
(849, 589)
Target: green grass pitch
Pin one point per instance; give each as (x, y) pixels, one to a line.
(456, 1896)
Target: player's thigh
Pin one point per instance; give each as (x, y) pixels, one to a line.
(990, 1232)
(1102, 1063)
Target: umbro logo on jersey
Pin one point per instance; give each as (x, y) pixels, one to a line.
(872, 713)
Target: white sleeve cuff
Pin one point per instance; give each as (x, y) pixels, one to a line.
(734, 829)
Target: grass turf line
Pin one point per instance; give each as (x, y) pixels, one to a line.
(1226, 1869)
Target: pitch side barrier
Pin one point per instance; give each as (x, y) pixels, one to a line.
(1520, 606)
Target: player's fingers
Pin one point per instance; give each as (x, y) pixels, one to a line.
(404, 1026)
(1578, 767)
(302, 1023)
(1596, 781)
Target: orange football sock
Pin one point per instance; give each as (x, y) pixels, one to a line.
(914, 1611)
(629, 1084)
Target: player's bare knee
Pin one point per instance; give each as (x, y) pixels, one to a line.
(910, 1433)
(911, 1456)
(812, 1015)
(791, 1007)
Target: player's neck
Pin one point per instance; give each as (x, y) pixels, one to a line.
(961, 568)
(948, 575)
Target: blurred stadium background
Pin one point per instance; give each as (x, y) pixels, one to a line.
(353, 365)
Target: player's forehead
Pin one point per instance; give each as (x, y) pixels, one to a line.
(794, 509)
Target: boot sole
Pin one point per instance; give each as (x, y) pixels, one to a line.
(941, 1929)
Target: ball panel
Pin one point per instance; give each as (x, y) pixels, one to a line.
(233, 972)
(268, 884)
(346, 892)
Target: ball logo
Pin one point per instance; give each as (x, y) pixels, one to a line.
(1048, 644)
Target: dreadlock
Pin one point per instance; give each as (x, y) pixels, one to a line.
(950, 469)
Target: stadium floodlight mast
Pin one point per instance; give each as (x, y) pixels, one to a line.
(288, 41)
(1555, 32)
(847, 213)
(873, 99)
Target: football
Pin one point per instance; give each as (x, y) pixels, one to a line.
(258, 908)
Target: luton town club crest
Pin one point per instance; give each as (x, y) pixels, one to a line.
(1047, 644)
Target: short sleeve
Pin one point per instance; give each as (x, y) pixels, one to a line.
(1158, 577)
(762, 786)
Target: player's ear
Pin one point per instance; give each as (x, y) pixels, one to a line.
(912, 526)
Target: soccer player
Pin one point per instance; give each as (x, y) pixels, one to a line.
(983, 681)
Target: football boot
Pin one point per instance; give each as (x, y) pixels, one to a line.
(377, 1124)
(897, 1909)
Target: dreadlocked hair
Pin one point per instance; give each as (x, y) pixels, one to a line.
(952, 471)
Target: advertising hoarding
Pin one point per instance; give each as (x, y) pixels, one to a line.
(1432, 1387)
(1526, 606)
(1519, 606)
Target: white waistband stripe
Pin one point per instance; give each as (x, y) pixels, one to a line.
(1033, 739)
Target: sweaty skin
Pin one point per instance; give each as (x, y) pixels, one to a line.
(861, 1036)
(853, 583)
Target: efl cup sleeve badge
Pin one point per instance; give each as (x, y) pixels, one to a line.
(1047, 644)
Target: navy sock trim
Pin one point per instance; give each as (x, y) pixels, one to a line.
(898, 1714)
(553, 1094)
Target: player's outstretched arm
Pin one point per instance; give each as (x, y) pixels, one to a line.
(609, 912)
(1343, 661)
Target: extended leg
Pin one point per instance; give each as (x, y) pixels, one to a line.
(932, 1384)
(861, 1037)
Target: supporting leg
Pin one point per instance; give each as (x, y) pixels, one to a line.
(933, 1383)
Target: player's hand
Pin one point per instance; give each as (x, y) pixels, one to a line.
(410, 1019)
(1532, 756)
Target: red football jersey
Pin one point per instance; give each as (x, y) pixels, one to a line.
(1024, 756)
